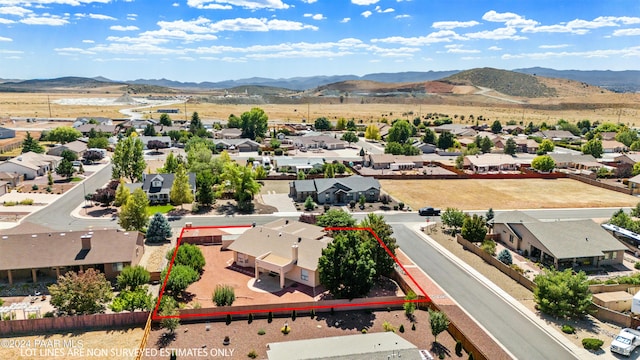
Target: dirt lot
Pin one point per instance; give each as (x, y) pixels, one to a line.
(106, 345)
(504, 194)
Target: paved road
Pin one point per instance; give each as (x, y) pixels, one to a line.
(524, 339)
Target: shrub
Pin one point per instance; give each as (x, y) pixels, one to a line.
(34, 187)
(568, 329)
(505, 257)
(592, 344)
(26, 202)
(252, 354)
(364, 331)
(410, 307)
(470, 356)
(270, 317)
(395, 207)
(401, 328)
(352, 204)
(49, 189)
(48, 314)
(261, 332)
(413, 326)
(33, 316)
(517, 268)
(224, 295)
(637, 265)
(10, 203)
(401, 206)
(312, 314)
(228, 320)
(489, 246)
(388, 327)
(293, 315)
(459, 348)
(285, 329)
(250, 319)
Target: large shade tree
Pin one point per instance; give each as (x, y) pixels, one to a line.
(80, 293)
(562, 293)
(128, 159)
(254, 123)
(133, 214)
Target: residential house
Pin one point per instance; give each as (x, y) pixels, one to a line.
(6, 133)
(163, 139)
(287, 249)
(286, 164)
(425, 148)
(51, 254)
(634, 184)
(335, 190)
(204, 235)
(557, 135)
(318, 142)
(97, 120)
(613, 146)
(158, 186)
(608, 135)
(525, 145)
(10, 178)
(228, 133)
(394, 162)
(579, 162)
(485, 163)
(4, 187)
(456, 129)
(85, 129)
(563, 244)
(629, 158)
(30, 164)
(242, 145)
(513, 129)
(77, 147)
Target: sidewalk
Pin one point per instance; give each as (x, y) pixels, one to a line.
(580, 353)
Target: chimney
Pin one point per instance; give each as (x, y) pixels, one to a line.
(86, 241)
(188, 225)
(294, 252)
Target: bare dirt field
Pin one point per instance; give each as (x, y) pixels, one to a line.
(504, 194)
(105, 344)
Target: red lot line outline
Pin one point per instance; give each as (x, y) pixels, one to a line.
(425, 299)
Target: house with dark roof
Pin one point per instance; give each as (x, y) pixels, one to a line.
(158, 186)
(82, 120)
(557, 135)
(287, 249)
(52, 254)
(85, 129)
(242, 145)
(336, 190)
(6, 133)
(165, 140)
(563, 244)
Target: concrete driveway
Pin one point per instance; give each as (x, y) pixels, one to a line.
(282, 202)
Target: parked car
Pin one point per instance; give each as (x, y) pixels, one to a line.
(76, 163)
(626, 341)
(428, 211)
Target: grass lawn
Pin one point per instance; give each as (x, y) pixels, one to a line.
(76, 179)
(162, 209)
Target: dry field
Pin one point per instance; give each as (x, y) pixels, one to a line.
(106, 345)
(37, 105)
(504, 194)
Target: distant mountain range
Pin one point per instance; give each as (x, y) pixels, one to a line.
(619, 81)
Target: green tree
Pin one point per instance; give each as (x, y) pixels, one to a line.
(474, 228)
(301, 175)
(400, 132)
(69, 155)
(372, 132)
(410, 307)
(80, 293)
(635, 212)
(133, 277)
(65, 168)
(241, 180)
(49, 178)
(165, 120)
(170, 165)
(132, 300)
(329, 171)
(350, 137)
(128, 159)
(336, 218)
(180, 277)
(234, 122)
(351, 125)
(545, 146)
(133, 214)
(429, 137)
(636, 169)
(490, 215)
(496, 127)
(29, 144)
(593, 147)
(346, 267)
(384, 262)
(260, 173)
(63, 134)
(505, 257)
(149, 130)
(486, 145)
(322, 123)
(181, 192)
(623, 220)
(627, 136)
(224, 295)
(393, 148)
(445, 140)
(544, 163)
(122, 194)
(562, 293)
(510, 147)
(309, 204)
(453, 218)
(341, 125)
(159, 229)
(196, 126)
(439, 323)
(188, 255)
(169, 312)
(98, 143)
(204, 183)
(254, 123)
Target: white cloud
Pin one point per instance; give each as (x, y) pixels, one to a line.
(345, 20)
(309, 1)
(494, 48)
(73, 51)
(41, 3)
(627, 32)
(124, 28)
(15, 10)
(581, 27)
(610, 53)
(229, 4)
(507, 33)
(186, 58)
(387, 10)
(509, 19)
(558, 46)
(459, 49)
(175, 4)
(2, 38)
(14, 57)
(364, 2)
(403, 16)
(45, 19)
(449, 25)
(318, 17)
(366, 14)
(101, 17)
(435, 37)
(88, 41)
(6, 21)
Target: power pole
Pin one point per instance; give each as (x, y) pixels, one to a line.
(49, 103)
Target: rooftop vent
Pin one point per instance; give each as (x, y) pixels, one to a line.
(34, 236)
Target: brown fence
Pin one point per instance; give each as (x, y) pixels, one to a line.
(515, 275)
(56, 324)
(608, 315)
(599, 184)
(603, 288)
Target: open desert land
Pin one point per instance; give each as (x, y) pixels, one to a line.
(601, 107)
(504, 194)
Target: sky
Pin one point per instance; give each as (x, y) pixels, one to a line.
(215, 40)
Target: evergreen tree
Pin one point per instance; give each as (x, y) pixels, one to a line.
(562, 293)
(159, 229)
(31, 144)
(170, 165)
(309, 204)
(133, 214)
(149, 130)
(122, 194)
(384, 262)
(505, 257)
(65, 168)
(196, 126)
(181, 192)
(204, 183)
(510, 147)
(329, 171)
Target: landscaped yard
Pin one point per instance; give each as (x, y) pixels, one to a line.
(162, 209)
(504, 194)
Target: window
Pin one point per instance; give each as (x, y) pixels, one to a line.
(242, 258)
(156, 183)
(304, 275)
(117, 266)
(510, 238)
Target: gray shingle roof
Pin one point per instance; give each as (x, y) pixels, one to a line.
(167, 182)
